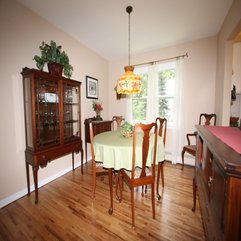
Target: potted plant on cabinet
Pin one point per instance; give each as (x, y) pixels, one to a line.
(56, 59)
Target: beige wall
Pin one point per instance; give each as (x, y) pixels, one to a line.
(21, 34)
(235, 110)
(236, 66)
(230, 28)
(199, 75)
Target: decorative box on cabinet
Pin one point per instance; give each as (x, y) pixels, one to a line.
(52, 120)
(98, 127)
(218, 182)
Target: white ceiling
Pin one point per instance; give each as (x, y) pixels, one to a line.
(102, 25)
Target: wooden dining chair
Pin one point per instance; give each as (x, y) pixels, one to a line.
(97, 167)
(162, 131)
(141, 176)
(117, 121)
(204, 119)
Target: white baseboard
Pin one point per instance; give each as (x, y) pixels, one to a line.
(188, 159)
(41, 183)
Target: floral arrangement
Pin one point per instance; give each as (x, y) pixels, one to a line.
(127, 129)
(97, 106)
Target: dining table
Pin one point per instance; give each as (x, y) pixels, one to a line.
(115, 152)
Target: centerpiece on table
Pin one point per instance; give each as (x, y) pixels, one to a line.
(55, 58)
(97, 107)
(127, 129)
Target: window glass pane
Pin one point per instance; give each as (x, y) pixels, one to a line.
(144, 85)
(165, 107)
(157, 96)
(166, 82)
(139, 109)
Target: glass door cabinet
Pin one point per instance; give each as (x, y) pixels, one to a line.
(52, 120)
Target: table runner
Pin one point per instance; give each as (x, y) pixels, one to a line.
(229, 135)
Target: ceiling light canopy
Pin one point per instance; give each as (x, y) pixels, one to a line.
(129, 82)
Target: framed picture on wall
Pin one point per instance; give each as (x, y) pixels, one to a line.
(91, 87)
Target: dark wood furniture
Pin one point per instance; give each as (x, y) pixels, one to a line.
(218, 181)
(117, 121)
(204, 119)
(98, 127)
(141, 176)
(52, 120)
(97, 167)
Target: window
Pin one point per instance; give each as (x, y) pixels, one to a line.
(157, 96)
(161, 96)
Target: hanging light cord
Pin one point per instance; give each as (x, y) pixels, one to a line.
(129, 10)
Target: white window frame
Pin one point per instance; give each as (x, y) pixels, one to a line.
(152, 91)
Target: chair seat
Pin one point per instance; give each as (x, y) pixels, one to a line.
(191, 147)
(204, 119)
(137, 172)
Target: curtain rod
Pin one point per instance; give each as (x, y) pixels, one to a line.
(161, 60)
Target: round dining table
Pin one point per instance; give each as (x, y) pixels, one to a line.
(115, 152)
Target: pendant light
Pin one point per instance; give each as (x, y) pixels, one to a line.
(129, 83)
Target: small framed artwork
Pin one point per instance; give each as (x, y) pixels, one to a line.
(91, 87)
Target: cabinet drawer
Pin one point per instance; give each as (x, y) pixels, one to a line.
(101, 128)
(207, 169)
(218, 195)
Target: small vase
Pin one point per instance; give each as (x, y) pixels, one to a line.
(98, 117)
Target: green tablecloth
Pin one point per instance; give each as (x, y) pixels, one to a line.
(115, 150)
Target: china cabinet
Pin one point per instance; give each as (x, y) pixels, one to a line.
(52, 120)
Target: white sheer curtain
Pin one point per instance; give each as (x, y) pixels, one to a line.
(176, 127)
(178, 117)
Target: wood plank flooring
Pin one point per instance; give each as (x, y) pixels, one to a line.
(66, 211)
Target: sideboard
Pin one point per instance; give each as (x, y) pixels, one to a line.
(217, 180)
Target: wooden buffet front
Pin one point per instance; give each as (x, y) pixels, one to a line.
(218, 181)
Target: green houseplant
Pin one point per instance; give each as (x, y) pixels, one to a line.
(52, 53)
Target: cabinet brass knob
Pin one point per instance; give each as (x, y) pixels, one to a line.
(210, 181)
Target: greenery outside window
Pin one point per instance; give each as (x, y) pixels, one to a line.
(157, 96)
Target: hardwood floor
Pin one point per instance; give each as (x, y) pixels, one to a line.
(66, 212)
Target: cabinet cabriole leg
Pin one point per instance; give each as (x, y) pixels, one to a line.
(35, 177)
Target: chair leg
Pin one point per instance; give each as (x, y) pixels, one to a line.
(120, 185)
(183, 152)
(132, 207)
(153, 200)
(110, 174)
(158, 180)
(162, 174)
(94, 185)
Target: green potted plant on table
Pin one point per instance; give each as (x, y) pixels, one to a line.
(53, 56)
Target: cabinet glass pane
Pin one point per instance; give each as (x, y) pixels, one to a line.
(28, 111)
(71, 95)
(47, 112)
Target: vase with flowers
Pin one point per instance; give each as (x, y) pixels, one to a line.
(97, 107)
